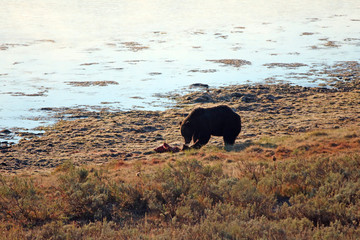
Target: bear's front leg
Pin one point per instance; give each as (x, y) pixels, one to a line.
(200, 140)
(196, 145)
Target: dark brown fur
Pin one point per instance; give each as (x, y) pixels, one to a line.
(201, 123)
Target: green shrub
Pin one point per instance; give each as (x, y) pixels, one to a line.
(188, 185)
(85, 197)
(323, 190)
(92, 197)
(22, 202)
(185, 190)
(129, 198)
(317, 198)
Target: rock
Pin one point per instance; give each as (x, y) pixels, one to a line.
(236, 95)
(199, 85)
(244, 108)
(5, 131)
(46, 109)
(159, 137)
(270, 97)
(147, 129)
(148, 152)
(225, 98)
(205, 98)
(248, 98)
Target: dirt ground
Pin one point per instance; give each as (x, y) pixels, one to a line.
(103, 137)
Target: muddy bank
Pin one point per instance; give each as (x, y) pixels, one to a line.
(104, 136)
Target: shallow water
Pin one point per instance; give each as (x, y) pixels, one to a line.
(148, 47)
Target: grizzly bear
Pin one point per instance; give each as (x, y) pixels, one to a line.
(201, 123)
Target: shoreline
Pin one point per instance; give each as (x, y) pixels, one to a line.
(342, 75)
(103, 137)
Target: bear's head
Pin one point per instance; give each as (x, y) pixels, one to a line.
(187, 131)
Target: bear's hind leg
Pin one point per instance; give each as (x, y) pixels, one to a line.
(229, 143)
(231, 132)
(229, 140)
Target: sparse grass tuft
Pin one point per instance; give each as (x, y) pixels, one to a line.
(318, 133)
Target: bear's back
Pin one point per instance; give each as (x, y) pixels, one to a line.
(222, 111)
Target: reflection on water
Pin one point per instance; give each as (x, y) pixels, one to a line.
(147, 47)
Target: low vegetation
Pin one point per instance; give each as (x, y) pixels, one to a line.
(307, 192)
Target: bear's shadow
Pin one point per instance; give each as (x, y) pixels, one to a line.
(239, 147)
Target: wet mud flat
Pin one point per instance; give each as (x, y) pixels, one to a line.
(98, 137)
